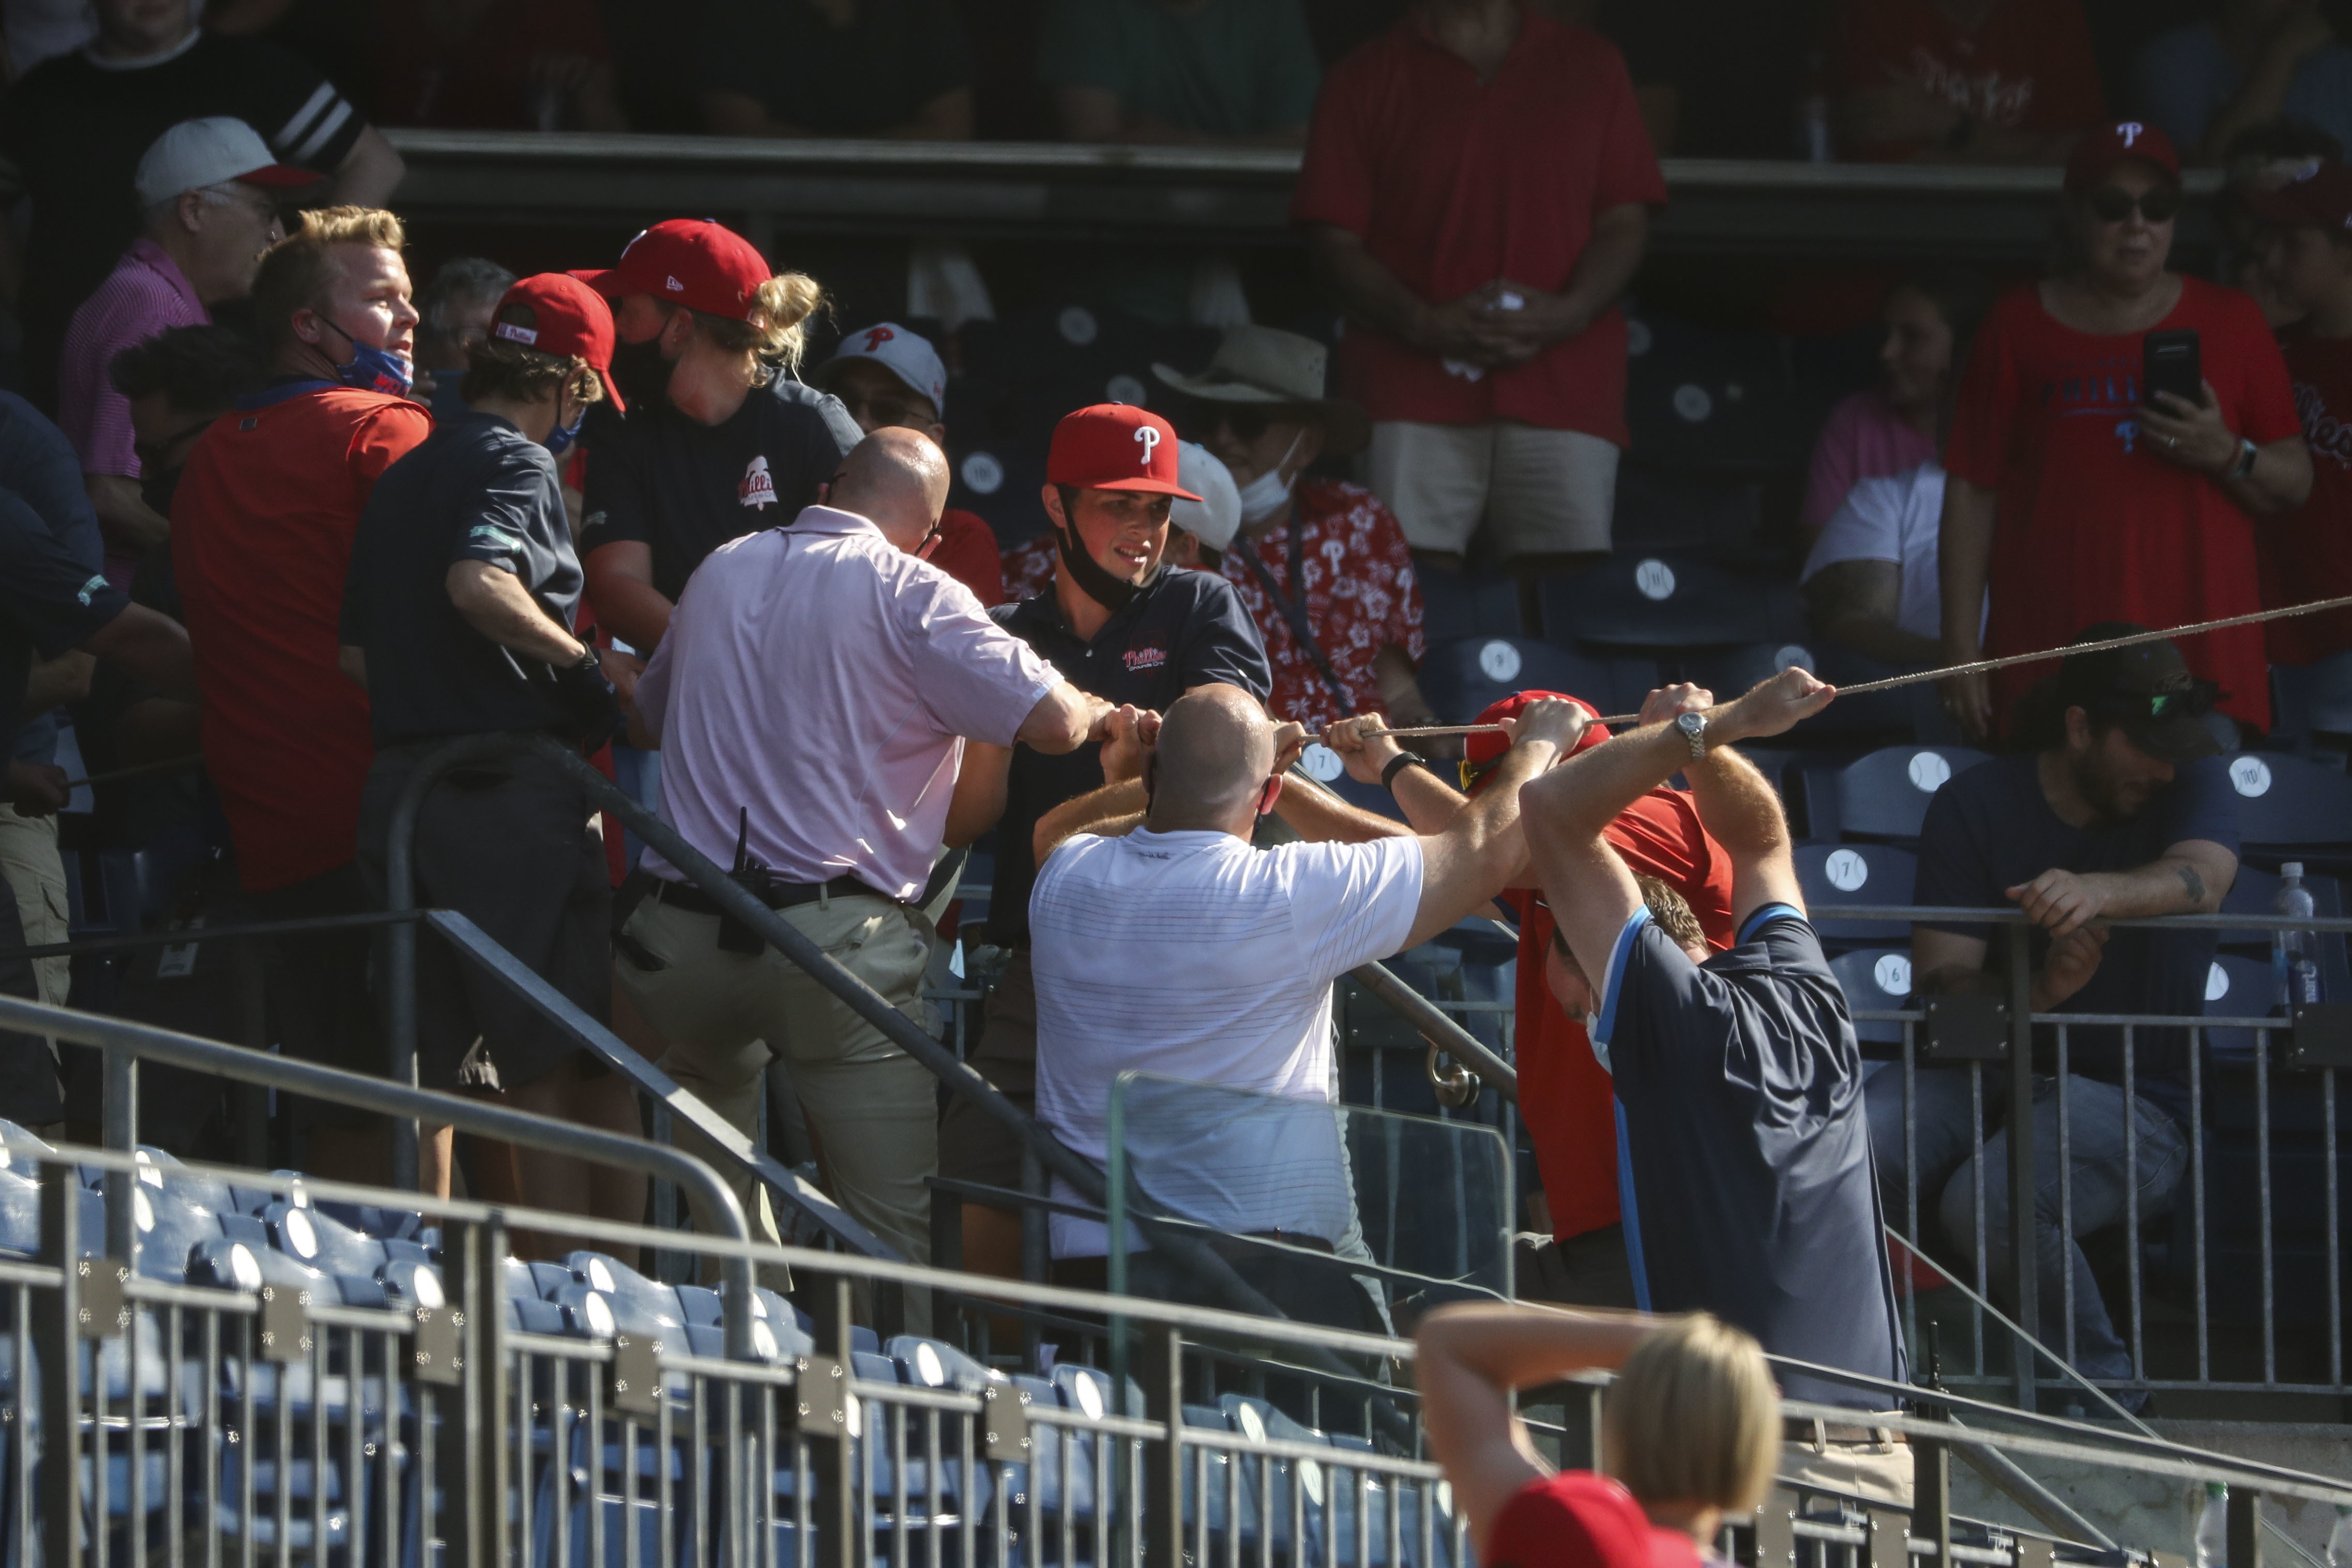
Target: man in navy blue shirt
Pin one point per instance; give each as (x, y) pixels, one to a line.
(456, 617)
(2119, 807)
(1744, 1153)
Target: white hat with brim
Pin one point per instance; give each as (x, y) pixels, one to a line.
(197, 153)
(1268, 367)
(1216, 516)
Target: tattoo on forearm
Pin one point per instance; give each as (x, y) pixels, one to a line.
(2193, 881)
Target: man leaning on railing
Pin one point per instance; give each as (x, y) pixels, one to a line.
(2120, 808)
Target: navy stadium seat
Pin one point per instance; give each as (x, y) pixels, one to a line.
(1858, 874)
(1884, 795)
(1467, 604)
(1875, 979)
(2288, 803)
(1660, 508)
(1460, 679)
(1668, 601)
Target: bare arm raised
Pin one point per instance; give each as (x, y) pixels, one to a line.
(1482, 850)
(1590, 892)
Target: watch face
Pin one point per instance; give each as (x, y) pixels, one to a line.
(1690, 723)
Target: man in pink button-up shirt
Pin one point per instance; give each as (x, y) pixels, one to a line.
(811, 700)
(207, 188)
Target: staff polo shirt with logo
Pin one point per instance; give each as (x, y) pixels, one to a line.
(685, 487)
(1184, 628)
(2307, 554)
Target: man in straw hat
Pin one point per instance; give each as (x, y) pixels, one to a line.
(1322, 564)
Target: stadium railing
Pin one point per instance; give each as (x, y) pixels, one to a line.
(1206, 197)
(2246, 1294)
(571, 1414)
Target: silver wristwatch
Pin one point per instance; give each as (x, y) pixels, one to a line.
(1694, 728)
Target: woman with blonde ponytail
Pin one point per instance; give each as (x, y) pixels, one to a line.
(721, 439)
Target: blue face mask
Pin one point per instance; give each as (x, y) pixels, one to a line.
(373, 369)
(560, 439)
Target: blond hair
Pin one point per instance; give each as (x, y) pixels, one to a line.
(298, 270)
(773, 332)
(496, 367)
(1693, 1417)
(1669, 911)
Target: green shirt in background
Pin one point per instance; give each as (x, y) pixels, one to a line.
(1233, 67)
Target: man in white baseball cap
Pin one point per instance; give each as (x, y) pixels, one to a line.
(209, 190)
(887, 375)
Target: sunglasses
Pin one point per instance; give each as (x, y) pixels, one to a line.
(1246, 424)
(158, 453)
(2113, 204)
(2193, 702)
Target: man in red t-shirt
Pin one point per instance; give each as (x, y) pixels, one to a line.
(1566, 1098)
(1476, 192)
(2306, 554)
(261, 540)
(886, 375)
(1979, 81)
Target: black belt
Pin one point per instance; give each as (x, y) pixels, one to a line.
(1807, 1431)
(780, 894)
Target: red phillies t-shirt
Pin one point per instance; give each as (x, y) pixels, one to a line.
(2029, 67)
(1454, 184)
(262, 542)
(966, 551)
(2093, 524)
(1566, 1098)
(2307, 553)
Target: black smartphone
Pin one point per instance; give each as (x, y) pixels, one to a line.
(2171, 362)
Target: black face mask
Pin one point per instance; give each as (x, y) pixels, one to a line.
(1112, 594)
(642, 373)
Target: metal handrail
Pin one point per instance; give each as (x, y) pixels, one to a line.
(1051, 1152)
(122, 1040)
(2011, 915)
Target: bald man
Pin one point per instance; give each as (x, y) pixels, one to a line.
(1164, 944)
(811, 701)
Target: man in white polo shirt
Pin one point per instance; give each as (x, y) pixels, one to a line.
(1167, 944)
(811, 701)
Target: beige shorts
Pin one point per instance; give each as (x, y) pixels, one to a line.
(1539, 492)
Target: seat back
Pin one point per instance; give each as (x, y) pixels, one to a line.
(1461, 678)
(1668, 601)
(2285, 803)
(1857, 874)
(1875, 979)
(1885, 795)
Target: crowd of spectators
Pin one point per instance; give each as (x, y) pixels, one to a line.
(604, 506)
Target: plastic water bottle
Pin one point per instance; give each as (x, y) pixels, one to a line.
(2339, 1540)
(2213, 1527)
(2294, 977)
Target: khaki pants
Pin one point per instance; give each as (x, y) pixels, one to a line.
(872, 1109)
(1539, 492)
(37, 874)
(1881, 1471)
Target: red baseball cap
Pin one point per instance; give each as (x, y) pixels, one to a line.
(1481, 752)
(1579, 1519)
(2318, 198)
(688, 261)
(1116, 447)
(557, 314)
(2103, 147)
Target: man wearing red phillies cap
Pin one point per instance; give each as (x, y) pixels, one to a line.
(725, 440)
(456, 617)
(2306, 250)
(1565, 1097)
(1119, 626)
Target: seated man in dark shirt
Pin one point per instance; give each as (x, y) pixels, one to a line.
(1743, 1153)
(2120, 808)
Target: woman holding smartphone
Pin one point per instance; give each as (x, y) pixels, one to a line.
(2076, 493)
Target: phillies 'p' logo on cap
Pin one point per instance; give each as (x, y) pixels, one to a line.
(877, 336)
(2130, 130)
(1103, 446)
